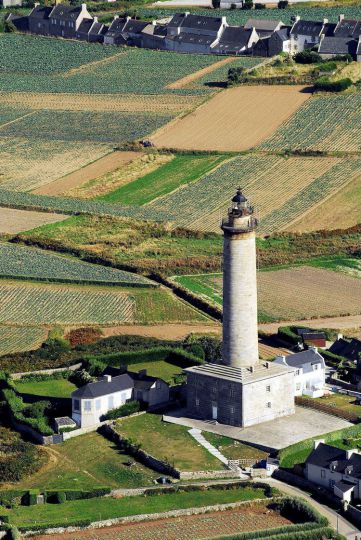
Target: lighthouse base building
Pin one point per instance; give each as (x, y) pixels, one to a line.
(240, 389)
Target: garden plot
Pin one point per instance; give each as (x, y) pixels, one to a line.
(234, 120)
(23, 262)
(13, 221)
(14, 339)
(291, 294)
(325, 123)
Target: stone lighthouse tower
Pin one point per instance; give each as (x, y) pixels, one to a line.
(240, 331)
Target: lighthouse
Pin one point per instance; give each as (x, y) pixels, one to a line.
(239, 389)
(240, 332)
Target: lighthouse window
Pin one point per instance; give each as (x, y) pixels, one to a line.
(268, 388)
(232, 410)
(269, 405)
(197, 402)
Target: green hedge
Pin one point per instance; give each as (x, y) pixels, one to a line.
(290, 530)
(287, 334)
(325, 85)
(334, 359)
(128, 408)
(17, 407)
(10, 498)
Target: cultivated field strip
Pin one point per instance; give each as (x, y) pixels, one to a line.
(292, 293)
(28, 163)
(62, 205)
(15, 221)
(51, 305)
(280, 188)
(9, 113)
(24, 262)
(18, 339)
(326, 123)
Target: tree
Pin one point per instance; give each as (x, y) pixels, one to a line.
(216, 4)
(247, 4)
(307, 57)
(282, 4)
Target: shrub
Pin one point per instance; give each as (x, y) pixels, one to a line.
(328, 66)
(282, 4)
(60, 497)
(298, 511)
(37, 409)
(260, 6)
(287, 334)
(81, 377)
(332, 359)
(324, 84)
(128, 408)
(307, 57)
(235, 75)
(247, 4)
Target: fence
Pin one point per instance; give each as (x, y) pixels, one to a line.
(328, 409)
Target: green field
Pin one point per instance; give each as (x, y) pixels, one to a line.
(30, 263)
(14, 339)
(232, 449)
(325, 123)
(163, 370)
(24, 305)
(57, 388)
(108, 508)
(181, 170)
(87, 462)
(168, 441)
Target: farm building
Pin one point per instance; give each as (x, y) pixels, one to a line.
(309, 372)
(305, 34)
(349, 348)
(335, 469)
(94, 400)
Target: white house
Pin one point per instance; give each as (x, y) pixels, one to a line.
(92, 401)
(336, 470)
(309, 372)
(306, 34)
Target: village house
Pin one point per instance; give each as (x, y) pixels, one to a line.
(309, 372)
(345, 39)
(153, 36)
(235, 40)
(349, 348)
(305, 34)
(64, 20)
(336, 470)
(91, 402)
(91, 30)
(193, 33)
(276, 43)
(263, 27)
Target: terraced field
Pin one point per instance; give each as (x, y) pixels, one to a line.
(24, 262)
(327, 123)
(291, 294)
(282, 189)
(18, 339)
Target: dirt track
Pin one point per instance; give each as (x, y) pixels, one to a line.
(234, 120)
(106, 164)
(181, 83)
(336, 323)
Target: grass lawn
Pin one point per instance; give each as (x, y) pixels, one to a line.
(341, 401)
(168, 441)
(86, 462)
(180, 170)
(163, 370)
(56, 388)
(108, 508)
(234, 449)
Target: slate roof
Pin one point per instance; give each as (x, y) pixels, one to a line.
(338, 45)
(85, 26)
(66, 13)
(348, 28)
(116, 26)
(305, 357)
(344, 486)
(41, 12)
(104, 388)
(64, 421)
(97, 28)
(142, 381)
(196, 39)
(307, 28)
(240, 375)
(266, 25)
(155, 30)
(284, 33)
(135, 26)
(328, 29)
(196, 22)
(177, 19)
(235, 35)
(325, 455)
(313, 335)
(348, 349)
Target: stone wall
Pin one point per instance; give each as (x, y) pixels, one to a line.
(205, 475)
(74, 367)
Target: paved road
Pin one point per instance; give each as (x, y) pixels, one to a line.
(344, 527)
(351, 321)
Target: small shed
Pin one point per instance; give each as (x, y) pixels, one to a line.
(64, 423)
(314, 339)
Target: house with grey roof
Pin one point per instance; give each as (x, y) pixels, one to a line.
(114, 35)
(276, 43)
(193, 33)
(309, 372)
(153, 36)
(263, 27)
(336, 470)
(235, 40)
(64, 21)
(335, 46)
(39, 19)
(305, 34)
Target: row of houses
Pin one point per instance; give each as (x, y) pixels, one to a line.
(190, 33)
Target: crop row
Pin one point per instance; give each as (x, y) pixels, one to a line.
(63, 205)
(52, 305)
(15, 339)
(24, 262)
(42, 56)
(331, 123)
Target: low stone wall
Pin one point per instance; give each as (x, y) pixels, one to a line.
(211, 475)
(151, 517)
(320, 493)
(29, 431)
(74, 367)
(148, 460)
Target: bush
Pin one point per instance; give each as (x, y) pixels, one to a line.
(324, 84)
(37, 409)
(235, 75)
(333, 359)
(128, 408)
(247, 4)
(60, 497)
(287, 334)
(81, 377)
(328, 66)
(298, 511)
(307, 57)
(260, 6)
(282, 4)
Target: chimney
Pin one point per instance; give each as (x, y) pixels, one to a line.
(251, 368)
(282, 359)
(339, 336)
(95, 19)
(83, 7)
(312, 348)
(36, 4)
(266, 365)
(341, 17)
(107, 378)
(349, 453)
(154, 23)
(317, 442)
(325, 21)
(116, 17)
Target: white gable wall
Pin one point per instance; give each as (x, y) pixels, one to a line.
(92, 410)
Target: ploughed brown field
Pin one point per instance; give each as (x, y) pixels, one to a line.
(15, 221)
(234, 120)
(253, 518)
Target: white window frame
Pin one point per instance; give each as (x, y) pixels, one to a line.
(87, 405)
